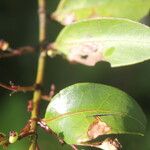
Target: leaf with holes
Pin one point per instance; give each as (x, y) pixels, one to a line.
(85, 111)
(118, 41)
(69, 11)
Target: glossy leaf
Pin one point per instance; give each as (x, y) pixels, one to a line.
(84, 111)
(69, 11)
(118, 41)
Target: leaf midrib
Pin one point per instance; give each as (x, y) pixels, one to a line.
(98, 112)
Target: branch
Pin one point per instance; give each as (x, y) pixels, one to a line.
(42, 20)
(40, 71)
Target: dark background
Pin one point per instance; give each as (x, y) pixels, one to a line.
(19, 26)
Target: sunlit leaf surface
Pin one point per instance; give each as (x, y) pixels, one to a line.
(84, 111)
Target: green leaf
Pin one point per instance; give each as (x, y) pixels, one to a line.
(118, 41)
(84, 111)
(69, 11)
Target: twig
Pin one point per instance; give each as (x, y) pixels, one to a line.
(37, 147)
(51, 93)
(46, 98)
(21, 136)
(40, 71)
(25, 132)
(16, 52)
(74, 147)
(6, 51)
(44, 126)
(17, 88)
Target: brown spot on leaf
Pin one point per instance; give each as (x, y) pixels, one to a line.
(98, 128)
(88, 53)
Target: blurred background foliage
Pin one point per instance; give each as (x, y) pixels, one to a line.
(19, 26)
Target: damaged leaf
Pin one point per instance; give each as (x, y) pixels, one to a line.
(98, 128)
(84, 111)
(70, 11)
(120, 42)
